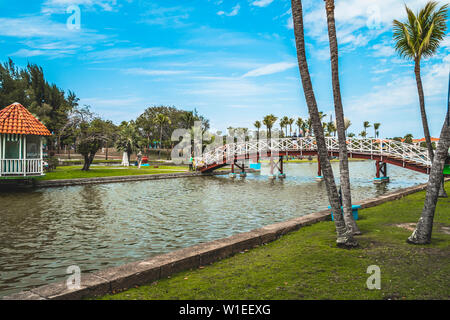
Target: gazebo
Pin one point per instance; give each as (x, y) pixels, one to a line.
(21, 137)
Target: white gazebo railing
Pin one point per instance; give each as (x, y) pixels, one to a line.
(21, 167)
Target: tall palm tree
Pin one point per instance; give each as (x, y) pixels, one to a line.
(376, 126)
(257, 125)
(161, 120)
(269, 121)
(290, 123)
(300, 124)
(420, 36)
(422, 233)
(340, 121)
(285, 121)
(366, 125)
(344, 236)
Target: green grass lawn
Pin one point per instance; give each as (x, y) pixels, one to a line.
(306, 264)
(74, 172)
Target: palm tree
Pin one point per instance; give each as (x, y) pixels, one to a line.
(340, 122)
(161, 120)
(127, 138)
(300, 124)
(423, 231)
(376, 126)
(366, 125)
(351, 135)
(257, 125)
(269, 121)
(285, 121)
(418, 37)
(344, 236)
(290, 123)
(363, 134)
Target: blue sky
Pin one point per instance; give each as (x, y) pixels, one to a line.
(232, 60)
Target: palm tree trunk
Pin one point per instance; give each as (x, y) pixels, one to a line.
(423, 113)
(340, 124)
(344, 237)
(422, 233)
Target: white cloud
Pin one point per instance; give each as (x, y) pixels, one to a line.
(270, 69)
(60, 6)
(154, 72)
(234, 11)
(120, 53)
(262, 3)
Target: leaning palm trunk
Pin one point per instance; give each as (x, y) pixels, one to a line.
(344, 237)
(422, 233)
(423, 114)
(340, 122)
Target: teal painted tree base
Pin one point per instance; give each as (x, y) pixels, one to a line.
(354, 211)
(381, 180)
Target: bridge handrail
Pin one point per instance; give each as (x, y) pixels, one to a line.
(368, 146)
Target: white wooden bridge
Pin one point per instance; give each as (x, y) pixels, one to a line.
(385, 150)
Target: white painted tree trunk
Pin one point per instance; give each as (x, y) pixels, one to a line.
(125, 161)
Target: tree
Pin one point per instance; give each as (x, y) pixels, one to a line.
(340, 121)
(128, 138)
(161, 120)
(351, 135)
(269, 121)
(300, 124)
(344, 236)
(90, 135)
(366, 125)
(408, 138)
(257, 125)
(363, 134)
(290, 123)
(424, 228)
(420, 36)
(376, 126)
(284, 124)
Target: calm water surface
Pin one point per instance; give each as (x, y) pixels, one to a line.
(44, 231)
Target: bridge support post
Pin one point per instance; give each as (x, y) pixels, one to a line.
(281, 173)
(381, 174)
(232, 175)
(319, 170)
(272, 165)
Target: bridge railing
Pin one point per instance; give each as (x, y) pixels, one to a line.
(366, 146)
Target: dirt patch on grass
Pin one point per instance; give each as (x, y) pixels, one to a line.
(442, 228)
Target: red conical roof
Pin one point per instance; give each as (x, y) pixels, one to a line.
(16, 119)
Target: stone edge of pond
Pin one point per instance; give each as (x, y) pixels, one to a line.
(116, 179)
(127, 276)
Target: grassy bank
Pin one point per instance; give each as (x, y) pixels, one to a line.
(307, 265)
(75, 172)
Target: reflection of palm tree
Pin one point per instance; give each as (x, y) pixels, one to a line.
(418, 37)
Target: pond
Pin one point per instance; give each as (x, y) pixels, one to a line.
(44, 231)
